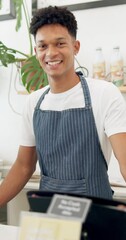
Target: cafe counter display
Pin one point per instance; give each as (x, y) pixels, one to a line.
(20, 202)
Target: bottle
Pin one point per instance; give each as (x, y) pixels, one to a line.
(116, 67)
(99, 68)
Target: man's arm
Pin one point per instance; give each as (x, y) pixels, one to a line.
(19, 174)
(118, 142)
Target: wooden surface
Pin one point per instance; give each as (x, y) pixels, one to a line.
(123, 89)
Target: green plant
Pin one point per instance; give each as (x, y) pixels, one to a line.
(32, 74)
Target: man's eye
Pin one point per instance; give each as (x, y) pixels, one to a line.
(61, 44)
(42, 46)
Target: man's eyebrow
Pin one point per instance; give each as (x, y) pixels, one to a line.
(60, 38)
(40, 41)
(56, 39)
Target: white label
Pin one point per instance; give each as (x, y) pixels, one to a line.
(117, 73)
(70, 207)
(99, 71)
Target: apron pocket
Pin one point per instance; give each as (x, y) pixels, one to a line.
(58, 185)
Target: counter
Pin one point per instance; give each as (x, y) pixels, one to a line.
(8, 232)
(119, 193)
(20, 203)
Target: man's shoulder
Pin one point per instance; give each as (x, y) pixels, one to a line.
(103, 92)
(99, 85)
(98, 82)
(36, 94)
(33, 97)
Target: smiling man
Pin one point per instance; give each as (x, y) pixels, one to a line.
(70, 126)
(55, 50)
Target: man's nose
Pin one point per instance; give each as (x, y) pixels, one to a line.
(51, 51)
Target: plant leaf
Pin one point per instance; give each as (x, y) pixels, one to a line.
(8, 55)
(33, 76)
(18, 7)
(0, 4)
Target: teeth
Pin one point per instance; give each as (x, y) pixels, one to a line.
(54, 63)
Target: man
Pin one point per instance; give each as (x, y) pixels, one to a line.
(70, 126)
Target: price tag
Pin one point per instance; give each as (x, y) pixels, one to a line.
(69, 207)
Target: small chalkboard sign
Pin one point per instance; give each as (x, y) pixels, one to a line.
(69, 207)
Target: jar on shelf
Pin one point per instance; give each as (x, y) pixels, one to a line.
(116, 67)
(99, 68)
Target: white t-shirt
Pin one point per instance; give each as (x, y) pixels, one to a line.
(109, 110)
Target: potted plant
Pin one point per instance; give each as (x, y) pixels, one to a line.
(32, 74)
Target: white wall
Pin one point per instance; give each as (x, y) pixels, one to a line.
(9, 120)
(104, 27)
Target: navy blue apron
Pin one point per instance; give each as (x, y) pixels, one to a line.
(69, 152)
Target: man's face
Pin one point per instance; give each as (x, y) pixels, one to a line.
(55, 50)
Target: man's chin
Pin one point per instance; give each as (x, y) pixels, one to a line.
(54, 74)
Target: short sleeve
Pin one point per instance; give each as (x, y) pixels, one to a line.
(27, 133)
(115, 118)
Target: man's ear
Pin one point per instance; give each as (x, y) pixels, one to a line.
(76, 47)
(35, 52)
(35, 49)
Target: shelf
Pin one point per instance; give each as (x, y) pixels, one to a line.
(123, 89)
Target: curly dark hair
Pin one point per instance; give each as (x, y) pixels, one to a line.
(54, 15)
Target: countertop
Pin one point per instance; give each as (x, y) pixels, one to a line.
(8, 232)
(119, 191)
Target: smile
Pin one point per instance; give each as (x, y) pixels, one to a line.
(54, 63)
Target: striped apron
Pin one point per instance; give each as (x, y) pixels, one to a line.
(69, 152)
